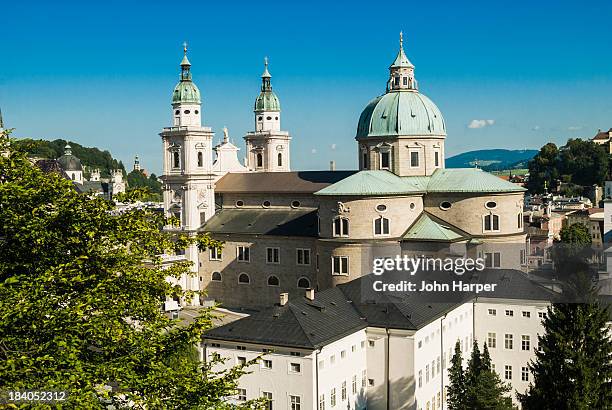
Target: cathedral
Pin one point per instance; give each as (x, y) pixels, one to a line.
(286, 231)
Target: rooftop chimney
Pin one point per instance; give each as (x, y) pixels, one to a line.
(284, 298)
(310, 294)
(332, 165)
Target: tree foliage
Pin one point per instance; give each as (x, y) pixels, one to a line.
(577, 163)
(478, 387)
(80, 301)
(90, 157)
(137, 179)
(572, 367)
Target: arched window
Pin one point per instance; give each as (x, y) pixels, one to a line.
(280, 159)
(490, 223)
(200, 159)
(303, 283)
(216, 276)
(259, 160)
(341, 226)
(176, 161)
(73, 174)
(381, 226)
(244, 279)
(273, 281)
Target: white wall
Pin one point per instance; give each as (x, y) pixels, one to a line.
(517, 325)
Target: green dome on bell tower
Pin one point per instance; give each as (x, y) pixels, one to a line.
(186, 91)
(266, 100)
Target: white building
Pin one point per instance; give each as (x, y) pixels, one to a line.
(391, 352)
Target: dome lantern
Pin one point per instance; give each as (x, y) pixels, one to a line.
(401, 72)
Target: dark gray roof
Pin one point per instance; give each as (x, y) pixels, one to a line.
(306, 182)
(70, 163)
(51, 165)
(286, 222)
(352, 306)
(92, 186)
(301, 323)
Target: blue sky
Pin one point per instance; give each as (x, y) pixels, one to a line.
(101, 74)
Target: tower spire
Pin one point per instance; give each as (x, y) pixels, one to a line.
(401, 71)
(266, 85)
(185, 65)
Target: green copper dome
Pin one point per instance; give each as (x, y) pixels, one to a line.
(266, 100)
(186, 91)
(404, 112)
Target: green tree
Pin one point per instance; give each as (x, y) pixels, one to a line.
(577, 234)
(80, 301)
(456, 394)
(585, 162)
(543, 169)
(487, 390)
(572, 367)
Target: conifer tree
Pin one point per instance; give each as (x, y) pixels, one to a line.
(572, 368)
(456, 389)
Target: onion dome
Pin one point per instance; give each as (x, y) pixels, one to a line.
(69, 162)
(266, 100)
(186, 91)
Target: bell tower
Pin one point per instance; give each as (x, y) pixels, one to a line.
(188, 181)
(267, 147)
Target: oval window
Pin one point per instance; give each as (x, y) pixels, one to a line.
(276, 118)
(197, 112)
(445, 205)
(268, 118)
(260, 118)
(177, 112)
(266, 204)
(187, 111)
(412, 205)
(239, 204)
(295, 204)
(491, 204)
(381, 208)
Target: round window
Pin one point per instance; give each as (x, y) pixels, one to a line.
(445, 205)
(177, 112)
(276, 118)
(295, 204)
(412, 205)
(187, 111)
(266, 204)
(239, 204)
(260, 118)
(197, 112)
(491, 204)
(381, 208)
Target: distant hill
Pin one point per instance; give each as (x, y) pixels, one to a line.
(90, 157)
(492, 159)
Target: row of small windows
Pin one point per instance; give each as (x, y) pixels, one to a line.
(508, 341)
(176, 159)
(259, 159)
(340, 226)
(243, 254)
(177, 112)
(267, 204)
(445, 205)
(385, 159)
(268, 118)
(273, 280)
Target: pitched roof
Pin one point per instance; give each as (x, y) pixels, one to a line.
(603, 135)
(429, 228)
(371, 183)
(300, 323)
(285, 222)
(279, 182)
(468, 180)
(349, 307)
